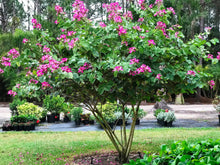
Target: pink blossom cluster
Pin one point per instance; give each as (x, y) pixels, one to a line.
(133, 61)
(172, 10)
(25, 40)
(36, 24)
(132, 49)
(113, 10)
(6, 61)
(143, 68)
(80, 10)
(137, 28)
(14, 53)
(45, 85)
(46, 57)
(141, 2)
(160, 13)
(151, 42)
(128, 15)
(29, 73)
(71, 33)
(210, 56)
(211, 83)
(17, 85)
(124, 42)
(118, 68)
(208, 28)
(158, 76)
(33, 81)
(72, 43)
(62, 37)
(59, 10)
(38, 44)
(66, 69)
(121, 30)
(140, 19)
(158, 1)
(46, 49)
(56, 22)
(102, 24)
(142, 37)
(191, 72)
(1, 71)
(85, 66)
(10, 92)
(176, 35)
(218, 56)
(161, 25)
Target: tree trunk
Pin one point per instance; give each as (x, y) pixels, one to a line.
(179, 99)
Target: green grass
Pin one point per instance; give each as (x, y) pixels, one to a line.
(48, 147)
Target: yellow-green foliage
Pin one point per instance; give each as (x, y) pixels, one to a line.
(30, 109)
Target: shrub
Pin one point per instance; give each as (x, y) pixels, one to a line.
(76, 113)
(182, 152)
(30, 109)
(13, 106)
(157, 111)
(54, 104)
(166, 116)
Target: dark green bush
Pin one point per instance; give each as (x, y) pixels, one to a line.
(13, 106)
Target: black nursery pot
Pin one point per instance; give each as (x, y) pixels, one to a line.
(219, 119)
(169, 124)
(51, 118)
(66, 119)
(43, 119)
(77, 122)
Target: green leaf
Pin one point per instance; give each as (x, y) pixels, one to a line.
(208, 44)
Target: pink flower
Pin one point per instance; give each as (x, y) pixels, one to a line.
(38, 26)
(128, 15)
(137, 28)
(70, 33)
(172, 10)
(118, 68)
(80, 10)
(124, 42)
(29, 73)
(38, 44)
(134, 60)
(46, 49)
(218, 56)
(140, 2)
(132, 49)
(176, 34)
(45, 85)
(210, 56)
(102, 24)
(59, 9)
(151, 42)
(140, 19)
(211, 83)
(14, 53)
(158, 76)
(6, 61)
(25, 40)
(121, 30)
(72, 43)
(10, 92)
(66, 69)
(118, 19)
(160, 13)
(208, 28)
(81, 69)
(56, 22)
(191, 72)
(142, 37)
(158, 1)
(18, 85)
(161, 25)
(1, 71)
(151, 6)
(63, 30)
(64, 60)
(33, 81)
(143, 68)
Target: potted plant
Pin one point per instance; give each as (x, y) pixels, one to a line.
(76, 113)
(54, 105)
(7, 126)
(30, 109)
(85, 118)
(216, 104)
(119, 120)
(166, 118)
(67, 109)
(91, 119)
(141, 114)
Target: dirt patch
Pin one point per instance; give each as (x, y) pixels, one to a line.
(108, 158)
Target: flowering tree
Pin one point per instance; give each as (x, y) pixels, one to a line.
(121, 59)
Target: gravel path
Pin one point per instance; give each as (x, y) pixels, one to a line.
(193, 115)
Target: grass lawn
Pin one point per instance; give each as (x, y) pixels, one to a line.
(60, 147)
